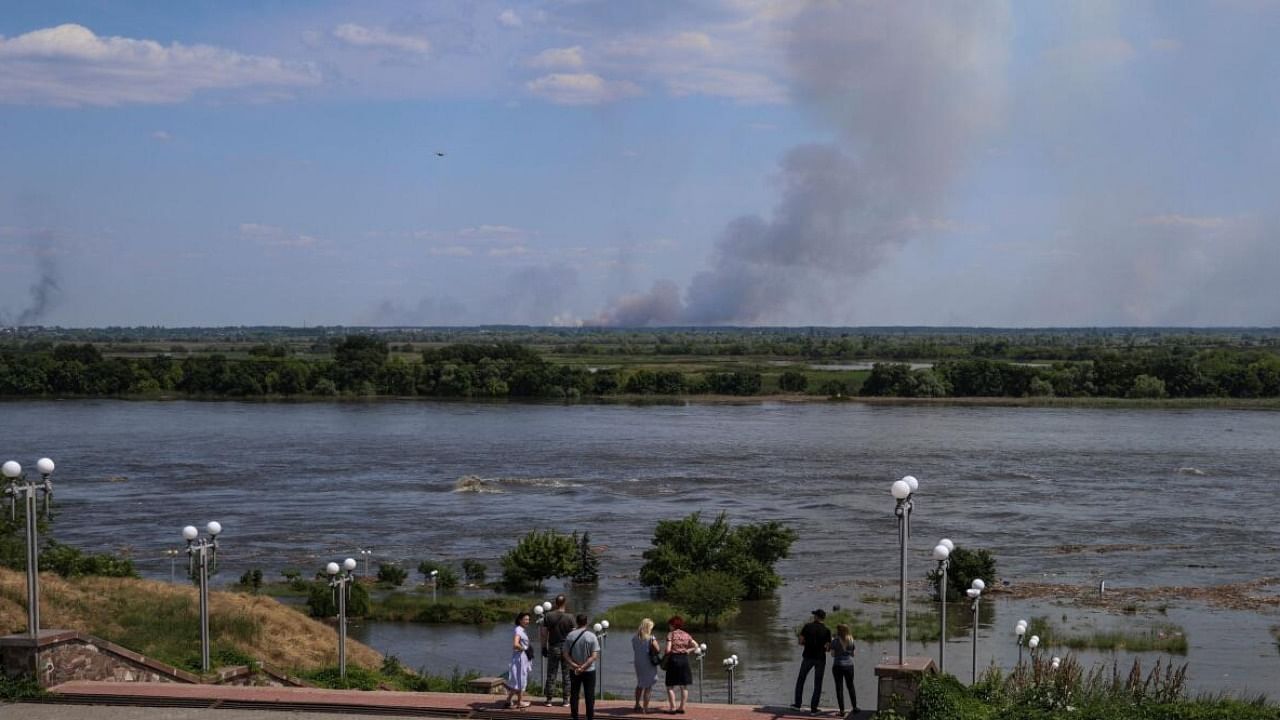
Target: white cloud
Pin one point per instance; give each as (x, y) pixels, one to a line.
(508, 251)
(70, 66)
(509, 18)
(1198, 222)
(580, 89)
(360, 36)
(273, 236)
(491, 232)
(744, 87)
(161, 136)
(450, 251)
(569, 58)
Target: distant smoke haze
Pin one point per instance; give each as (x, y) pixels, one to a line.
(911, 91)
(533, 295)
(44, 291)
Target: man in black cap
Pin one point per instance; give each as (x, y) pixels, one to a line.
(816, 639)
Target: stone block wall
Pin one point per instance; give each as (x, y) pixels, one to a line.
(59, 656)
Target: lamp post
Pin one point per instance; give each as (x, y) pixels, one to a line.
(1055, 663)
(730, 664)
(340, 579)
(203, 559)
(539, 616)
(20, 485)
(540, 611)
(975, 593)
(434, 575)
(365, 554)
(1021, 631)
(700, 653)
(942, 553)
(601, 629)
(1032, 644)
(173, 554)
(903, 490)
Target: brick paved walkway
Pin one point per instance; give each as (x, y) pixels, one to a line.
(377, 703)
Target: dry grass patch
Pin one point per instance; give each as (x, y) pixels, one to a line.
(161, 620)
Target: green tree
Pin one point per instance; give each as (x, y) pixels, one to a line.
(586, 569)
(690, 545)
(793, 381)
(446, 578)
(474, 570)
(392, 574)
(322, 600)
(708, 595)
(358, 359)
(538, 556)
(252, 580)
(965, 565)
(1146, 386)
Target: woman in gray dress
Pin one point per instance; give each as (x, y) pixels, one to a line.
(644, 648)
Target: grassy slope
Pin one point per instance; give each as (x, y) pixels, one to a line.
(160, 620)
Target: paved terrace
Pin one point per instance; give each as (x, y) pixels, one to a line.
(358, 702)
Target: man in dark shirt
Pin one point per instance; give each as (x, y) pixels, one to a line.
(816, 639)
(555, 626)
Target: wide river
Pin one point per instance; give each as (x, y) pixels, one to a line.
(300, 484)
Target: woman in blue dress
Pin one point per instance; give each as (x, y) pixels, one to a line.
(521, 663)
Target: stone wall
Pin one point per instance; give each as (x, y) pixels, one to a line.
(898, 685)
(59, 656)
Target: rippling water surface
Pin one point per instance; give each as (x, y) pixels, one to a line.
(299, 484)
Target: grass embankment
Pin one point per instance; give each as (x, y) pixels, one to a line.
(1160, 637)
(161, 620)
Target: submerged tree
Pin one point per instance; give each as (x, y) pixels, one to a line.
(690, 545)
(538, 556)
(587, 569)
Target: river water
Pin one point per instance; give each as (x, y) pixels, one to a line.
(1191, 493)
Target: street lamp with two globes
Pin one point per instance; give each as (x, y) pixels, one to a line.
(340, 579)
(942, 553)
(203, 559)
(975, 593)
(903, 491)
(19, 485)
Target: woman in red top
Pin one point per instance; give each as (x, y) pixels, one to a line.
(679, 675)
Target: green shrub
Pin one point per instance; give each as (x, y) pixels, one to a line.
(965, 565)
(793, 381)
(322, 603)
(17, 689)
(391, 574)
(474, 570)
(251, 579)
(709, 595)
(68, 561)
(538, 556)
(689, 545)
(446, 578)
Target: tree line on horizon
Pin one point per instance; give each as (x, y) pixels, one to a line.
(363, 365)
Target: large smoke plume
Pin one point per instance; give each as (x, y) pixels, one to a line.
(910, 90)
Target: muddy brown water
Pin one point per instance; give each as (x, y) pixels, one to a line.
(1140, 498)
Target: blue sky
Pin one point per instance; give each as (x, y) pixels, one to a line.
(628, 163)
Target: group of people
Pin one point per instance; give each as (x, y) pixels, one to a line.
(572, 651)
